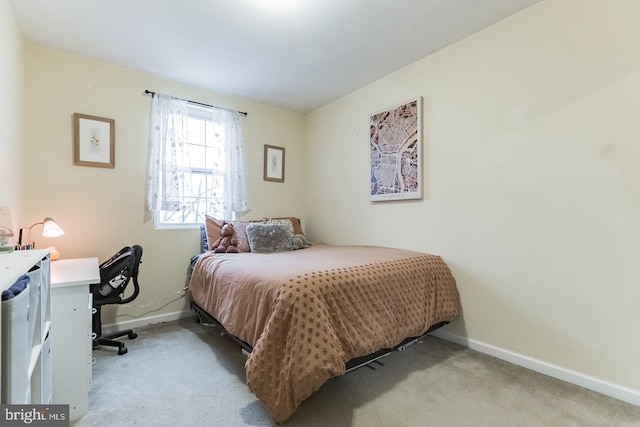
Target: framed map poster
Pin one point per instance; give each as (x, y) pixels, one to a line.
(396, 152)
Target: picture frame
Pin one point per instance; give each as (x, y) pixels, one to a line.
(395, 150)
(93, 141)
(273, 163)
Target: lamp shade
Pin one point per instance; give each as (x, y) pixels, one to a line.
(50, 228)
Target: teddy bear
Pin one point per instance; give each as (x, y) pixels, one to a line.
(227, 241)
(299, 241)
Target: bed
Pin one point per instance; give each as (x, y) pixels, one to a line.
(304, 316)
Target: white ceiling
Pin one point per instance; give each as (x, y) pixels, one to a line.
(299, 56)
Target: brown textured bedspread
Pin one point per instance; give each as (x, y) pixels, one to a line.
(307, 312)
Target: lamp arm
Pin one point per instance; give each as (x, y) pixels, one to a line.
(29, 231)
(33, 225)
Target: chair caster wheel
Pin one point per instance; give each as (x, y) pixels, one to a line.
(132, 335)
(122, 350)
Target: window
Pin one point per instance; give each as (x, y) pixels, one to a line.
(196, 166)
(201, 162)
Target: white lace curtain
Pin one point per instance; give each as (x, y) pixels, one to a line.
(235, 199)
(169, 129)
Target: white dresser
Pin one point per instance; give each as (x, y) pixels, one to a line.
(71, 308)
(25, 326)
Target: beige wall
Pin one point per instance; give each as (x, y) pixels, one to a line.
(532, 172)
(102, 210)
(10, 108)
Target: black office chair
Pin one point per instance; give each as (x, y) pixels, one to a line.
(115, 275)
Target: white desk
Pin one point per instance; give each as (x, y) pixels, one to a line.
(71, 327)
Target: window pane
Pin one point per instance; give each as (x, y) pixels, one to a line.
(196, 131)
(198, 154)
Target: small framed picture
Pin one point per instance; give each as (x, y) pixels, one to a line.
(93, 141)
(273, 163)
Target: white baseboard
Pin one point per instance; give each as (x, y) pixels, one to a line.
(604, 387)
(144, 321)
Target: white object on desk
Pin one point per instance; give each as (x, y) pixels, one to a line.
(71, 307)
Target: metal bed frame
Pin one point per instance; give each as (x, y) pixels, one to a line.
(353, 364)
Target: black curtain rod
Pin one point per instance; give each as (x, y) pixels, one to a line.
(244, 113)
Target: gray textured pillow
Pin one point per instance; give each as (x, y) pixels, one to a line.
(265, 238)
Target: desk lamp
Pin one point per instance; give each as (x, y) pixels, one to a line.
(49, 229)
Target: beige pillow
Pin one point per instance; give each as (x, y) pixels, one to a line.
(295, 222)
(285, 222)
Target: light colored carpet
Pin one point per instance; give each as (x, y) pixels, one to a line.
(185, 374)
